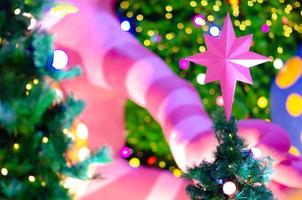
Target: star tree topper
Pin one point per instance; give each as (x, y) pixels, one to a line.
(228, 60)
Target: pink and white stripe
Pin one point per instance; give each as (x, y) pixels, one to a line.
(116, 67)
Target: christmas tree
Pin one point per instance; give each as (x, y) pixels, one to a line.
(173, 29)
(237, 172)
(33, 116)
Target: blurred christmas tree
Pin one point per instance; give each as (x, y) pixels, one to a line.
(172, 29)
(236, 173)
(33, 116)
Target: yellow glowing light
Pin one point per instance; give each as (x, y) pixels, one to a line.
(242, 27)
(250, 3)
(139, 17)
(170, 36)
(290, 73)
(180, 25)
(43, 184)
(218, 3)
(35, 81)
(124, 4)
(294, 151)
(274, 16)
(280, 50)
(204, 3)
(188, 30)
(234, 2)
(162, 164)
(216, 8)
(62, 9)
(16, 146)
(31, 179)
(202, 49)
(44, 140)
(294, 104)
(129, 14)
(134, 162)
(4, 171)
(169, 15)
(28, 86)
(138, 29)
(83, 153)
(177, 173)
(168, 8)
(237, 22)
(17, 11)
(82, 131)
(193, 4)
(147, 42)
(65, 131)
(150, 33)
(211, 18)
(262, 102)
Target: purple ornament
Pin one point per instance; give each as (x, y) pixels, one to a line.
(125, 152)
(265, 28)
(199, 20)
(184, 64)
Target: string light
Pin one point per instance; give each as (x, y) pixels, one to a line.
(278, 63)
(134, 162)
(201, 78)
(31, 179)
(199, 20)
(16, 146)
(82, 131)
(229, 188)
(44, 140)
(125, 25)
(262, 102)
(17, 11)
(28, 86)
(214, 31)
(126, 152)
(177, 173)
(162, 164)
(83, 153)
(60, 59)
(4, 171)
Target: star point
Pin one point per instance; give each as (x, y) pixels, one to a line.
(228, 60)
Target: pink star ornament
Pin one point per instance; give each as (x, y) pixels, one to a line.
(228, 60)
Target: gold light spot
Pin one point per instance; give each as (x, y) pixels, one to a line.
(16, 146)
(138, 29)
(28, 86)
(211, 18)
(202, 49)
(4, 171)
(180, 25)
(129, 14)
(168, 8)
(188, 30)
(31, 179)
(162, 164)
(147, 43)
(177, 173)
(35, 81)
(294, 151)
(193, 4)
(139, 17)
(280, 50)
(169, 15)
(124, 4)
(170, 36)
(134, 162)
(44, 140)
(204, 3)
(262, 102)
(216, 8)
(294, 104)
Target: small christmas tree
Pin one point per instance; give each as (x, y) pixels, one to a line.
(33, 146)
(237, 171)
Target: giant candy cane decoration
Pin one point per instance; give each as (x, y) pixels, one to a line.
(116, 67)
